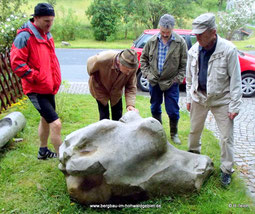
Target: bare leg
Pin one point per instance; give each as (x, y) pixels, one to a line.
(55, 134)
(43, 132)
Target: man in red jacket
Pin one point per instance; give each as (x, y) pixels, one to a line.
(34, 60)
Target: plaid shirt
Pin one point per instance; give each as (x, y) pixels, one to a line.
(162, 51)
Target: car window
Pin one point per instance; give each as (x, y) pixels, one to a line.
(142, 40)
(137, 40)
(193, 39)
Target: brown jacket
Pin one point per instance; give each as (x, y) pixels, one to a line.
(106, 83)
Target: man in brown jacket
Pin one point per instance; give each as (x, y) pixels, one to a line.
(110, 72)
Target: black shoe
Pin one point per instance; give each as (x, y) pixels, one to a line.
(46, 154)
(225, 179)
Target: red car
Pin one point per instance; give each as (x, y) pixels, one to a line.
(247, 62)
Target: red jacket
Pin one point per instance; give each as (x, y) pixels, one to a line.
(33, 58)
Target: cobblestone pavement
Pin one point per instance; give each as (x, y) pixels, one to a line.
(244, 132)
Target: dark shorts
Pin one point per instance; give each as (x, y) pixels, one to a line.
(45, 104)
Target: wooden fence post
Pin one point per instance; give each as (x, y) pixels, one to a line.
(10, 83)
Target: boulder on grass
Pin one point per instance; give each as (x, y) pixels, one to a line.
(129, 158)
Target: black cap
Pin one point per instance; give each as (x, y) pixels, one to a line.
(44, 9)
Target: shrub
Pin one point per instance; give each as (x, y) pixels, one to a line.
(7, 7)
(66, 26)
(238, 14)
(104, 18)
(8, 30)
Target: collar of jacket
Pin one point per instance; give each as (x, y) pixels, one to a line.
(219, 51)
(177, 38)
(28, 26)
(115, 65)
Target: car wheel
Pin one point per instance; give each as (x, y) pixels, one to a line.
(143, 83)
(248, 84)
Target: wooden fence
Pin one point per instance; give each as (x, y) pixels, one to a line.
(10, 84)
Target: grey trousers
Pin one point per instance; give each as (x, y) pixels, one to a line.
(198, 114)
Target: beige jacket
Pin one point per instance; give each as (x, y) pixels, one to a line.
(223, 77)
(174, 65)
(106, 83)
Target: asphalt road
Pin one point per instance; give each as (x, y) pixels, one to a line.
(73, 63)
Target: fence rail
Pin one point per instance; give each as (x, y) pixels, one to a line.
(10, 84)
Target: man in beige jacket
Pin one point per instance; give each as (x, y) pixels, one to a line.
(213, 83)
(110, 73)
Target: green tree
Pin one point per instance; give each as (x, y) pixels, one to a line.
(221, 4)
(237, 15)
(104, 15)
(11, 19)
(126, 12)
(9, 7)
(149, 12)
(52, 2)
(210, 5)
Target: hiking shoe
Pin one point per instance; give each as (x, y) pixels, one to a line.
(47, 154)
(225, 179)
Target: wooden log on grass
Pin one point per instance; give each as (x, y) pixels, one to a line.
(10, 126)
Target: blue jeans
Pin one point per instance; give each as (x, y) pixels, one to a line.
(171, 100)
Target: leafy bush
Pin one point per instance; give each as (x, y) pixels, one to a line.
(238, 14)
(7, 7)
(104, 18)
(8, 30)
(66, 25)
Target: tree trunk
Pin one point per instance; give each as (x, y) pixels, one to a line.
(126, 32)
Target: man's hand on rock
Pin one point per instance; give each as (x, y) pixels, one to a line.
(132, 108)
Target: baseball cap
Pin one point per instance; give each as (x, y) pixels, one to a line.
(167, 21)
(203, 22)
(44, 9)
(128, 58)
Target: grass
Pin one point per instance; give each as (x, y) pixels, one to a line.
(78, 6)
(92, 43)
(28, 185)
(123, 44)
(242, 45)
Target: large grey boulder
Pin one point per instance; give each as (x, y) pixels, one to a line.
(130, 157)
(10, 126)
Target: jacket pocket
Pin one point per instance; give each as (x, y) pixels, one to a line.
(193, 66)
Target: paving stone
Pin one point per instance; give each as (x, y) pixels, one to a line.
(238, 160)
(249, 158)
(252, 180)
(252, 189)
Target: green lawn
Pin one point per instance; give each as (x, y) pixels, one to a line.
(78, 6)
(91, 43)
(28, 185)
(242, 45)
